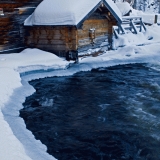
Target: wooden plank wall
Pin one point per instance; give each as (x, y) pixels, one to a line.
(98, 21)
(12, 32)
(101, 29)
(11, 25)
(10, 35)
(57, 40)
(10, 5)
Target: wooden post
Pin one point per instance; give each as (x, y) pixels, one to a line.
(155, 18)
(110, 33)
(159, 5)
(140, 25)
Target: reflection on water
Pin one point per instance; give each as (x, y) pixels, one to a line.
(106, 114)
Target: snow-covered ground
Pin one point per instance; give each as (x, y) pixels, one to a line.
(147, 17)
(17, 143)
(151, 35)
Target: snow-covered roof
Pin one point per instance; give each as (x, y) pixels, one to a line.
(124, 7)
(67, 12)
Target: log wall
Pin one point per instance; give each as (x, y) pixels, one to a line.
(57, 40)
(12, 30)
(101, 31)
(103, 23)
(11, 23)
(10, 35)
(10, 5)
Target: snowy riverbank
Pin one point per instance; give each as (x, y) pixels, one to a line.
(11, 65)
(17, 69)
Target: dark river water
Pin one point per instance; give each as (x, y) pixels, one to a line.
(105, 114)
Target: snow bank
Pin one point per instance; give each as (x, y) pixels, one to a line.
(10, 147)
(152, 35)
(62, 12)
(29, 57)
(147, 17)
(148, 53)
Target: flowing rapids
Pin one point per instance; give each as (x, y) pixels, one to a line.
(105, 114)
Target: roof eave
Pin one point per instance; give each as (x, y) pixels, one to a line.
(79, 25)
(112, 12)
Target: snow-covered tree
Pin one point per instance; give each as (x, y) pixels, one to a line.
(147, 5)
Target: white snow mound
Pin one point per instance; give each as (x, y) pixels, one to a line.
(124, 7)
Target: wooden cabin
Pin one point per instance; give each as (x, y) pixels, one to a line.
(11, 23)
(10, 5)
(67, 27)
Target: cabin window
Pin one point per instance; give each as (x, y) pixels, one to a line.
(92, 35)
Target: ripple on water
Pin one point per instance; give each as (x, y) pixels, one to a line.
(106, 114)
